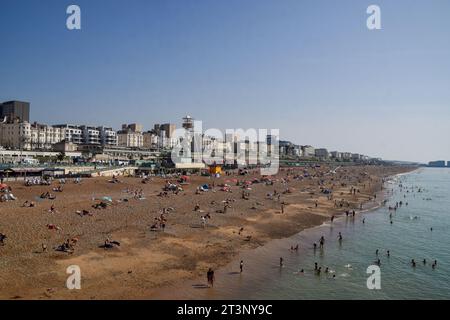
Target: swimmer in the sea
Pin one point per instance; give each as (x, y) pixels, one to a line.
(322, 241)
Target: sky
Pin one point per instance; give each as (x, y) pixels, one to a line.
(309, 68)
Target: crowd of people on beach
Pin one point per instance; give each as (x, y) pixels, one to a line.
(326, 193)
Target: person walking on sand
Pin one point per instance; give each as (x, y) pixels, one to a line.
(203, 222)
(241, 266)
(210, 277)
(282, 208)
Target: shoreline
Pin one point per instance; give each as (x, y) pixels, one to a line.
(150, 263)
(189, 293)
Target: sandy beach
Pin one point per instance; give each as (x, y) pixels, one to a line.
(148, 260)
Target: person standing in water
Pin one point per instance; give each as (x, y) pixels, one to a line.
(241, 265)
(318, 271)
(281, 261)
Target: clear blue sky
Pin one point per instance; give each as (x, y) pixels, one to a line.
(310, 68)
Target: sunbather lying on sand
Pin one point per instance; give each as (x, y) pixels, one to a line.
(2, 239)
(109, 244)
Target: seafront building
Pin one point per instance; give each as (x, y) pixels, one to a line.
(27, 136)
(336, 155)
(346, 156)
(72, 133)
(166, 129)
(437, 164)
(322, 153)
(289, 149)
(90, 135)
(130, 136)
(20, 139)
(108, 136)
(150, 140)
(308, 151)
(15, 110)
(158, 138)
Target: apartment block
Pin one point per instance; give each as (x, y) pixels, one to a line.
(130, 136)
(15, 111)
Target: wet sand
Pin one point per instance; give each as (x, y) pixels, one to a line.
(148, 261)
